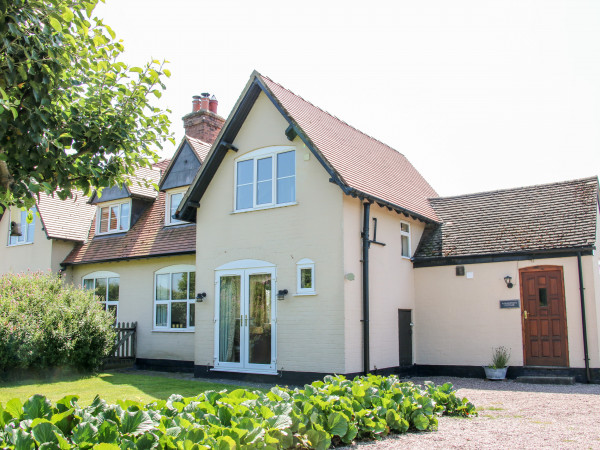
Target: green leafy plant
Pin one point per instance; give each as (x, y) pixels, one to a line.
(334, 411)
(500, 358)
(45, 323)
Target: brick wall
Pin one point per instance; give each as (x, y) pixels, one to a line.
(203, 125)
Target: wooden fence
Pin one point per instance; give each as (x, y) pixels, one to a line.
(125, 344)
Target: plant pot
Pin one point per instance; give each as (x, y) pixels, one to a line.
(495, 374)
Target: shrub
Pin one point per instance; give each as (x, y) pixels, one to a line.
(46, 323)
(334, 411)
(500, 358)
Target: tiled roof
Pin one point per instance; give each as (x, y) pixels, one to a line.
(162, 164)
(201, 148)
(362, 162)
(143, 176)
(535, 218)
(66, 219)
(147, 237)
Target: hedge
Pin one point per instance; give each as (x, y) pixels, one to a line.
(45, 323)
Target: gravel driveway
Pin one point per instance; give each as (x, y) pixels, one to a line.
(511, 416)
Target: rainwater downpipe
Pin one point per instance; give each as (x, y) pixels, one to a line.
(365, 286)
(583, 321)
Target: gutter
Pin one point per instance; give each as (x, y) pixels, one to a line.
(365, 287)
(583, 321)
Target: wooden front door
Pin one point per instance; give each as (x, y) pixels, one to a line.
(544, 316)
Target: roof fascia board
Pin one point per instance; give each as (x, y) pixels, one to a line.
(502, 257)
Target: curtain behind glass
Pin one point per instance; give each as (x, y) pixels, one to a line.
(229, 317)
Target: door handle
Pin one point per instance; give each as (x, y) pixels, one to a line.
(525, 315)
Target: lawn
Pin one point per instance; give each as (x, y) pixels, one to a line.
(110, 386)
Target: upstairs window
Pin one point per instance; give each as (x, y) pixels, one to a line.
(265, 178)
(172, 202)
(106, 287)
(113, 218)
(20, 232)
(174, 297)
(405, 239)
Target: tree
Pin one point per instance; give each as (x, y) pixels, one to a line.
(72, 114)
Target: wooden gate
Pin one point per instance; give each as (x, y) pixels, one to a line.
(125, 344)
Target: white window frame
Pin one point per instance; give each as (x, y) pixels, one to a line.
(180, 268)
(110, 205)
(305, 264)
(105, 275)
(169, 221)
(26, 233)
(255, 155)
(407, 235)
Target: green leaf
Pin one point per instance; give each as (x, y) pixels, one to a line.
(337, 424)
(22, 440)
(37, 406)
(14, 408)
(55, 24)
(136, 422)
(84, 432)
(136, 69)
(318, 439)
(421, 422)
(67, 15)
(105, 446)
(44, 432)
(66, 403)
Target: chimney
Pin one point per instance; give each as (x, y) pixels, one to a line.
(203, 122)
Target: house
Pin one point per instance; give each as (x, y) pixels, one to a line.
(56, 227)
(328, 252)
(285, 243)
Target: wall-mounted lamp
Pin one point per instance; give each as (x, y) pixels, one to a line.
(200, 297)
(508, 281)
(281, 294)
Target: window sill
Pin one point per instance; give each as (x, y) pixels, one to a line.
(304, 294)
(261, 208)
(174, 330)
(175, 224)
(111, 233)
(18, 244)
(244, 370)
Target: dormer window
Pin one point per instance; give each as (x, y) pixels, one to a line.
(171, 203)
(113, 217)
(20, 232)
(265, 178)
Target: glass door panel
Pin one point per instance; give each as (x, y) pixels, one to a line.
(229, 318)
(259, 323)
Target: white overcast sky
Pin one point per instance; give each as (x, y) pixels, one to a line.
(478, 95)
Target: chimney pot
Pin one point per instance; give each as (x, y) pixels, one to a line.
(195, 103)
(213, 104)
(204, 101)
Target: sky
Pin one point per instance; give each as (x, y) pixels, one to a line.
(479, 95)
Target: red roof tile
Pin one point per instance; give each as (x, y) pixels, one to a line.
(362, 162)
(141, 183)
(66, 219)
(162, 164)
(201, 148)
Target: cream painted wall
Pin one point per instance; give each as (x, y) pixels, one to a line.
(136, 303)
(391, 284)
(458, 320)
(310, 329)
(35, 256)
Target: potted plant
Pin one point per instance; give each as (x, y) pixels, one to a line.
(497, 369)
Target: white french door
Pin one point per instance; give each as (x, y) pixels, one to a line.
(245, 320)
